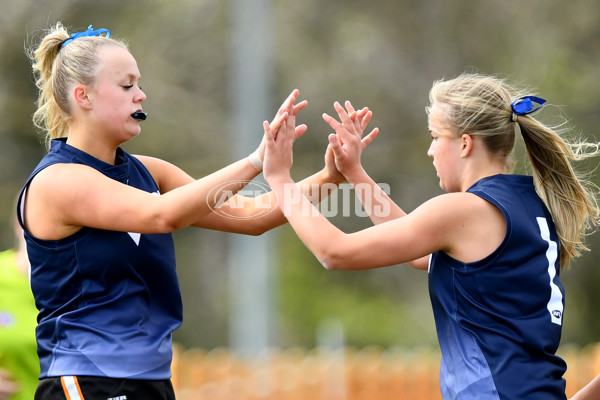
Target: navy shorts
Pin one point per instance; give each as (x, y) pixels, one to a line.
(99, 388)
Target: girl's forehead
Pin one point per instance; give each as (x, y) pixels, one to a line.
(117, 60)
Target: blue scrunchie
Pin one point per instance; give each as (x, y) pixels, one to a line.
(524, 106)
(89, 32)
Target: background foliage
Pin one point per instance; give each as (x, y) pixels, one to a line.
(384, 54)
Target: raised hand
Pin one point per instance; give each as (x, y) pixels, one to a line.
(287, 108)
(346, 145)
(279, 139)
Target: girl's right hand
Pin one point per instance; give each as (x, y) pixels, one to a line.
(290, 108)
(346, 145)
(280, 138)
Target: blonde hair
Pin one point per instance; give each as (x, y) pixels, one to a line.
(481, 106)
(57, 69)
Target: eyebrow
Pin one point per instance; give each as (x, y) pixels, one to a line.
(133, 76)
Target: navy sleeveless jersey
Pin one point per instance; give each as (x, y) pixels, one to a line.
(108, 301)
(499, 319)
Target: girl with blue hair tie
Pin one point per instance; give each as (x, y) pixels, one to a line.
(98, 222)
(493, 245)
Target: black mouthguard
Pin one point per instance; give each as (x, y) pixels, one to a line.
(139, 115)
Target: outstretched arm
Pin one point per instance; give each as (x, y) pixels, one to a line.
(79, 196)
(256, 215)
(347, 148)
(427, 229)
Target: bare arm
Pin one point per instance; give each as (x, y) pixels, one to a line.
(256, 215)
(65, 197)
(590, 392)
(347, 148)
(251, 215)
(427, 229)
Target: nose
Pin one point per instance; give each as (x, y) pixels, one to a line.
(430, 150)
(141, 96)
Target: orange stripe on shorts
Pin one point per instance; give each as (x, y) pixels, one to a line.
(71, 388)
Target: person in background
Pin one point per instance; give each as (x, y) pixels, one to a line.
(98, 222)
(19, 366)
(493, 245)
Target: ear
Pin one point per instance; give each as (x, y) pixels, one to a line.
(466, 145)
(82, 98)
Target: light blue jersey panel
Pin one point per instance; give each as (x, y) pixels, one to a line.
(464, 369)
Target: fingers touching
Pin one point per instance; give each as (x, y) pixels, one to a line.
(369, 138)
(351, 123)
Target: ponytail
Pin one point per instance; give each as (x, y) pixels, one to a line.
(50, 116)
(570, 197)
(487, 107)
(57, 67)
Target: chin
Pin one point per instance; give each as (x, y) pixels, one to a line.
(128, 136)
(443, 186)
(440, 182)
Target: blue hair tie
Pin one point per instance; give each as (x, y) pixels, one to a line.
(524, 106)
(86, 33)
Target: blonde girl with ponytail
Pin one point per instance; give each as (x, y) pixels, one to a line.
(484, 107)
(98, 222)
(493, 245)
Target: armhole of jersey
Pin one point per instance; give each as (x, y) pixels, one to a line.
(135, 160)
(21, 207)
(21, 201)
(21, 219)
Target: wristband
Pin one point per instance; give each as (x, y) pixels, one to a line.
(255, 160)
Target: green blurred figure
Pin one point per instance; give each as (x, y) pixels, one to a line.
(19, 365)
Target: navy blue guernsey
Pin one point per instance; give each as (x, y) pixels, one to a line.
(108, 301)
(499, 319)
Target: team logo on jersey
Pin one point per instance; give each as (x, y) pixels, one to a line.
(557, 314)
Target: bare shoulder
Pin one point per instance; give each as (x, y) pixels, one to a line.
(153, 164)
(149, 161)
(59, 185)
(166, 175)
(469, 227)
(480, 227)
(53, 193)
(59, 177)
(456, 205)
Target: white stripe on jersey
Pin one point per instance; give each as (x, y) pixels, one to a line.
(555, 306)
